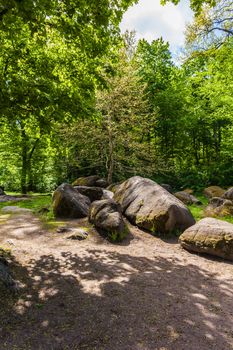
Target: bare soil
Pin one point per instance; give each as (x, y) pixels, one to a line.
(144, 294)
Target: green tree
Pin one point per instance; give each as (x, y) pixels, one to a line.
(52, 59)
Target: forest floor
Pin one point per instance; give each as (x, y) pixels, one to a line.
(144, 294)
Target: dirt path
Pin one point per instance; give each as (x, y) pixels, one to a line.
(146, 294)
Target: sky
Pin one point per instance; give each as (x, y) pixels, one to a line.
(152, 20)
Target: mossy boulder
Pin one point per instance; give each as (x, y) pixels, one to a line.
(151, 207)
(210, 236)
(214, 191)
(69, 203)
(106, 215)
(91, 181)
(93, 193)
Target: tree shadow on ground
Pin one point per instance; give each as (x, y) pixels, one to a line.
(106, 300)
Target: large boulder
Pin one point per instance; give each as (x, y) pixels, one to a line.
(91, 181)
(229, 194)
(69, 203)
(187, 198)
(210, 236)
(106, 215)
(151, 207)
(219, 207)
(213, 191)
(93, 193)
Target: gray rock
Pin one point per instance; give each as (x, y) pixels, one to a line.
(69, 203)
(187, 198)
(107, 194)
(93, 193)
(106, 215)
(210, 236)
(151, 207)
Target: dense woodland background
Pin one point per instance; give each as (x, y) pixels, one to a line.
(77, 98)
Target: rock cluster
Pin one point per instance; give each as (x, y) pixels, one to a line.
(151, 207)
(142, 201)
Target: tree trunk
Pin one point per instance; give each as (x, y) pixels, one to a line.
(110, 152)
(30, 186)
(24, 163)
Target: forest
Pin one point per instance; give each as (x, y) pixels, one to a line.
(77, 98)
(116, 176)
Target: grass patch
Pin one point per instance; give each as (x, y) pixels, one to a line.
(40, 204)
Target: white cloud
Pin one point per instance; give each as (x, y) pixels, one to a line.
(151, 20)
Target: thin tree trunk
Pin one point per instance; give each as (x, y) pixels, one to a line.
(24, 163)
(110, 152)
(30, 186)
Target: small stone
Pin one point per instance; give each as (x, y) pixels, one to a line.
(9, 241)
(78, 234)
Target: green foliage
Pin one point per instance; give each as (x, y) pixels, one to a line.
(196, 5)
(76, 100)
(117, 237)
(52, 58)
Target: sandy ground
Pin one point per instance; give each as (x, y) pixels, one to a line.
(144, 294)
